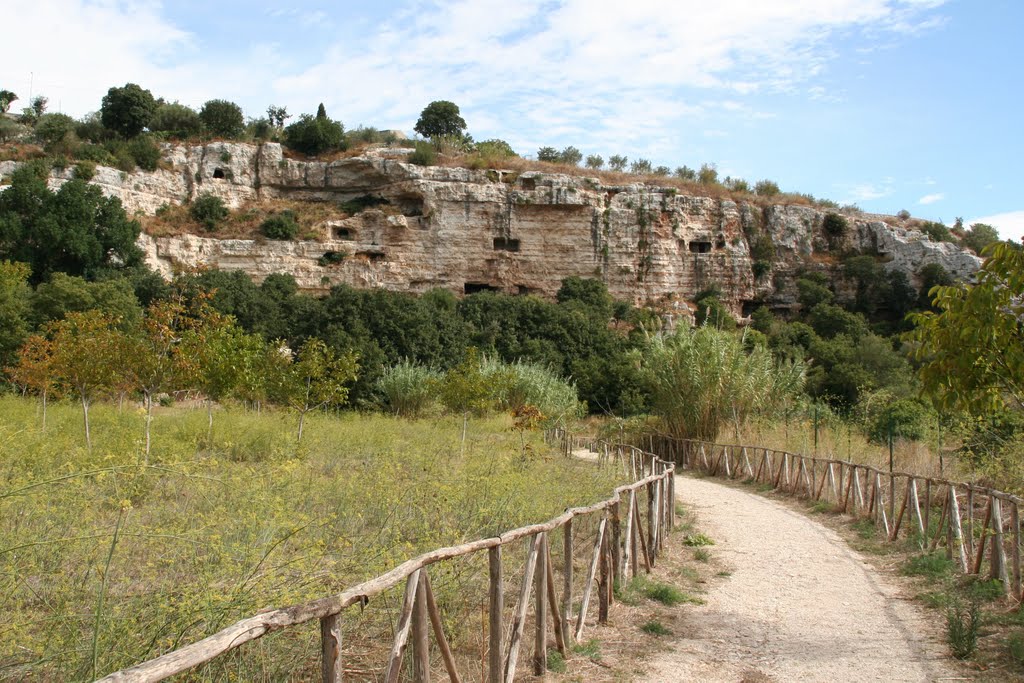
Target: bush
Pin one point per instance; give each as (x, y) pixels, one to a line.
(834, 225)
(10, 130)
(766, 188)
(208, 210)
(95, 153)
(330, 258)
(595, 161)
(312, 135)
(424, 155)
(937, 232)
(761, 268)
(905, 418)
(655, 628)
(54, 128)
(85, 170)
(222, 119)
(281, 226)
(145, 151)
(408, 389)
(440, 118)
(177, 120)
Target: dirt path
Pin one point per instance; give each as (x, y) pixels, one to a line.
(800, 605)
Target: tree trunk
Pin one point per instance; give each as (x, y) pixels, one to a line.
(149, 419)
(302, 420)
(209, 422)
(85, 417)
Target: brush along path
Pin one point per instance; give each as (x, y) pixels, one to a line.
(800, 605)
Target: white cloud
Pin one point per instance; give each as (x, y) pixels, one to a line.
(931, 198)
(1010, 224)
(530, 70)
(865, 192)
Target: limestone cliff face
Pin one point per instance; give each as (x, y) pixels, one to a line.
(469, 230)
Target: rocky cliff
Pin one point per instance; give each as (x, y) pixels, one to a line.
(471, 230)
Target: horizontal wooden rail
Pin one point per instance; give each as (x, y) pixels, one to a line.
(652, 475)
(935, 512)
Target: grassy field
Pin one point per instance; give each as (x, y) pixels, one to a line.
(105, 562)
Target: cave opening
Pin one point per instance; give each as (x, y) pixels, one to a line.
(506, 244)
(700, 247)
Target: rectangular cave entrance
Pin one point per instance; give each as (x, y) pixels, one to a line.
(477, 287)
(700, 247)
(506, 244)
(344, 234)
(372, 255)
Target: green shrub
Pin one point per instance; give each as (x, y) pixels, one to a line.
(314, 135)
(329, 258)
(281, 226)
(766, 188)
(96, 153)
(932, 565)
(222, 119)
(424, 155)
(52, 129)
(177, 120)
(697, 540)
(906, 418)
(145, 151)
(85, 170)
(761, 268)
(701, 555)
(655, 628)
(937, 232)
(208, 210)
(127, 110)
(834, 225)
(556, 662)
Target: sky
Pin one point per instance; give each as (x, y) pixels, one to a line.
(886, 104)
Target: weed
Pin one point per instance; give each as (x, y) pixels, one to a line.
(1015, 648)
(933, 565)
(978, 590)
(865, 528)
(697, 540)
(590, 649)
(821, 507)
(962, 624)
(556, 662)
(724, 573)
(701, 555)
(655, 628)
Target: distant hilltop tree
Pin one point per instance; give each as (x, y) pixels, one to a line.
(314, 135)
(6, 97)
(441, 118)
(127, 110)
(222, 118)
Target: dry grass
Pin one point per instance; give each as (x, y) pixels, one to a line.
(20, 151)
(244, 222)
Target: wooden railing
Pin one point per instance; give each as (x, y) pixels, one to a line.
(617, 553)
(962, 518)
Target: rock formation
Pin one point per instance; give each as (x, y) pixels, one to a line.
(472, 230)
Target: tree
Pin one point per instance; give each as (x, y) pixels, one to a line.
(127, 110)
(153, 358)
(35, 369)
(52, 129)
(87, 354)
(766, 188)
(686, 173)
(972, 350)
(38, 105)
(466, 389)
(595, 161)
(707, 175)
(571, 156)
(661, 171)
(277, 116)
(63, 294)
(549, 154)
(76, 230)
(317, 377)
(640, 167)
(6, 98)
(14, 308)
(931, 275)
(315, 135)
(617, 162)
(209, 210)
(440, 118)
(222, 118)
(176, 120)
(979, 236)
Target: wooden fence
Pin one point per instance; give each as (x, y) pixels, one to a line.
(964, 519)
(626, 543)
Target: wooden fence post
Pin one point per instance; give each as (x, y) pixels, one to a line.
(420, 633)
(439, 637)
(567, 571)
(585, 602)
(540, 640)
(519, 623)
(998, 558)
(496, 604)
(402, 631)
(331, 670)
(1015, 549)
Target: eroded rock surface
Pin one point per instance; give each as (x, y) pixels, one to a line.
(470, 230)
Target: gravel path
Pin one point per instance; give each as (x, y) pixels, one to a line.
(800, 604)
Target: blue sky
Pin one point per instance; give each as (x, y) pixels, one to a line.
(889, 104)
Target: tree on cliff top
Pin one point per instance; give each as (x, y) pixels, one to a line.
(127, 110)
(6, 97)
(440, 118)
(315, 135)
